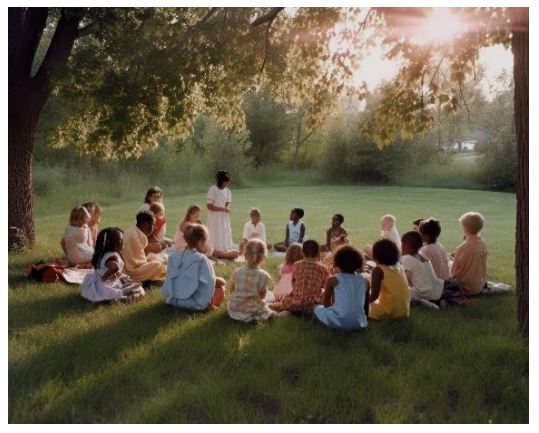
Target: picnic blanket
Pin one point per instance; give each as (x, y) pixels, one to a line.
(75, 275)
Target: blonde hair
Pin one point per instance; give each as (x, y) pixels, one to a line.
(389, 217)
(255, 252)
(78, 214)
(194, 233)
(156, 208)
(294, 253)
(256, 211)
(472, 222)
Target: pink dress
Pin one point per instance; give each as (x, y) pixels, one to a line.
(284, 285)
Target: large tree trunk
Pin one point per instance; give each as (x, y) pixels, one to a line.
(27, 96)
(22, 128)
(520, 46)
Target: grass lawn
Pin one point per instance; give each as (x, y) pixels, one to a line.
(72, 362)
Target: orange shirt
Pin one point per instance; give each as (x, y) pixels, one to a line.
(470, 266)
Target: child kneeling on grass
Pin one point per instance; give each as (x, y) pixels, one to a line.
(190, 281)
(283, 287)
(248, 286)
(346, 303)
(390, 294)
(308, 280)
(108, 281)
(424, 284)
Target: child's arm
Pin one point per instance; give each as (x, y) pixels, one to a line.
(331, 283)
(287, 236)
(376, 282)
(231, 287)
(344, 234)
(367, 298)
(112, 268)
(63, 245)
(328, 239)
(301, 233)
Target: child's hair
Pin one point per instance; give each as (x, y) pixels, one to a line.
(255, 252)
(311, 248)
(472, 222)
(299, 212)
(255, 211)
(145, 217)
(339, 217)
(221, 177)
(194, 233)
(348, 259)
(385, 252)
(108, 240)
(153, 190)
(389, 217)
(294, 253)
(157, 208)
(93, 207)
(412, 239)
(191, 210)
(78, 214)
(430, 229)
(418, 222)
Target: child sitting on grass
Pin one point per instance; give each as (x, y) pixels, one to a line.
(248, 286)
(430, 230)
(192, 216)
(424, 284)
(336, 234)
(190, 281)
(108, 281)
(295, 230)
(158, 234)
(346, 303)
(470, 259)
(308, 280)
(389, 231)
(390, 294)
(76, 241)
(95, 218)
(253, 229)
(283, 287)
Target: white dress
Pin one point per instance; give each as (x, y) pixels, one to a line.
(95, 289)
(425, 283)
(218, 223)
(78, 244)
(250, 231)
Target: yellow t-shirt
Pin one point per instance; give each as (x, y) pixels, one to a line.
(394, 298)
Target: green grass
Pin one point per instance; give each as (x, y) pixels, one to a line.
(70, 361)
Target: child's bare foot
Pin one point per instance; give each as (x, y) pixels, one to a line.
(282, 313)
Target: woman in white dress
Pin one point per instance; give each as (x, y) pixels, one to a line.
(218, 203)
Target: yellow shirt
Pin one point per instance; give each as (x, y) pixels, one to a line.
(394, 298)
(137, 265)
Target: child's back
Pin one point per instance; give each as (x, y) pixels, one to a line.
(437, 255)
(394, 298)
(348, 310)
(248, 287)
(308, 279)
(470, 266)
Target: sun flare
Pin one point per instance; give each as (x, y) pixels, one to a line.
(440, 26)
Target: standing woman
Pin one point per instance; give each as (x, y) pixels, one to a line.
(218, 203)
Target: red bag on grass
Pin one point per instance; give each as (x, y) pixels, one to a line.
(46, 272)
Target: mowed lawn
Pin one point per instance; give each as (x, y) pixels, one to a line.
(70, 361)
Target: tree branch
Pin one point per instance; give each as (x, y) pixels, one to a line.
(85, 31)
(266, 49)
(270, 16)
(205, 18)
(28, 33)
(304, 139)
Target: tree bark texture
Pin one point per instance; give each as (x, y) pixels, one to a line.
(520, 48)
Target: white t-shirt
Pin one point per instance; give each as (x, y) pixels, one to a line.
(392, 235)
(425, 283)
(250, 231)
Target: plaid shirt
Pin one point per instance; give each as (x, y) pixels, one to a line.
(308, 281)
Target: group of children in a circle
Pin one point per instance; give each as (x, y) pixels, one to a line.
(341, 285)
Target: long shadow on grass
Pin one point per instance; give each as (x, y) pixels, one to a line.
(27, 313)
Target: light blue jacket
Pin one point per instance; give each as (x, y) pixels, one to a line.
(190, 280)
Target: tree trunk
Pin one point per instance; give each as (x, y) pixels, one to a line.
(22, 128)
(520, 46)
